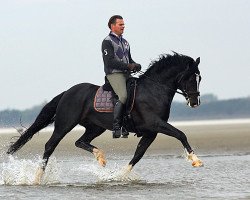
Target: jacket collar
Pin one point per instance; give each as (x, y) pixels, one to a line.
(115, 35)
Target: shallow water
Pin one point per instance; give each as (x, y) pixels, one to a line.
(163, 173)
(156, 176)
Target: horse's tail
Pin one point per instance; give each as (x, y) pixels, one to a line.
(45, 117)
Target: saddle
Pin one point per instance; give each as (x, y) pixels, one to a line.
(105, 97)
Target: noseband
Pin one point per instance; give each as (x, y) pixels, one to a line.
(187, 94)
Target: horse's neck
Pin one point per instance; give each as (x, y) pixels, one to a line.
(161, 81)
(162, 85)
(157, 94)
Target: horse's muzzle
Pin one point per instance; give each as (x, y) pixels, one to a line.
(193, 102)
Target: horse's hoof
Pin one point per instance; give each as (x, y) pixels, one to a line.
(102, 162)
(100, 157)
(129, 168)
(197, 163)
(38, 176)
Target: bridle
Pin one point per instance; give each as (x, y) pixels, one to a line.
(183, 92)
(162, 84)
(187, 93)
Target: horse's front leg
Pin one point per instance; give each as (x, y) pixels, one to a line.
(142, 146)
(167, 129)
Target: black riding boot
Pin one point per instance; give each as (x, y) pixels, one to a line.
(118, 114)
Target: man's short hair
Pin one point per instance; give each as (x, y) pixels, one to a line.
(112, 20)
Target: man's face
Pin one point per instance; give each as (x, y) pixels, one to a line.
(118, 27)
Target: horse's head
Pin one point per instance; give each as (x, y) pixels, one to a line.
(189, 82)
(179, 69)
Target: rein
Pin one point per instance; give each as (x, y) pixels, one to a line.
(161, 84)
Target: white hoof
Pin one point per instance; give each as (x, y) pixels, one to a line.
(100, 157)
(38, 176)
(196, 162)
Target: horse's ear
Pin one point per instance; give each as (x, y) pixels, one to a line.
(197, 61)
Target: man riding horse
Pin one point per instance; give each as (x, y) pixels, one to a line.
(155, 91)
(118, 66)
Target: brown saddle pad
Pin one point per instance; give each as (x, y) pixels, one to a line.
(103, 101)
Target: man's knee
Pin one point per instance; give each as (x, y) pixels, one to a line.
(123, 98)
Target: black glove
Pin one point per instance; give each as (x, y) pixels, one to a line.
(134, 67)
(137, 67)
(131, 66)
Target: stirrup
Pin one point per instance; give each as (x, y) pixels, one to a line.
(125, 133)
(117, 133)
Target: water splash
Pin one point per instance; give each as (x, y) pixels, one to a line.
(113, 174)
(22, 171)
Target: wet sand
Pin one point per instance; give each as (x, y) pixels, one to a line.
(204, 138)
(161, 174)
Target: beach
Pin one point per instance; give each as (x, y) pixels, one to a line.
(209, 136)
(163, 172)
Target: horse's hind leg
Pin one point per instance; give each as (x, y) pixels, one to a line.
(64, 123)
(50, 146)
(92, 131)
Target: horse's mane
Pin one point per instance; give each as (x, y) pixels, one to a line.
(166, 61)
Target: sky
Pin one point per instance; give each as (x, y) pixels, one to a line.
(47, 46)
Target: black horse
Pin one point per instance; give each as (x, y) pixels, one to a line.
(155, 91)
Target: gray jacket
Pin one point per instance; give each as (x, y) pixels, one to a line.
(116, 54)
